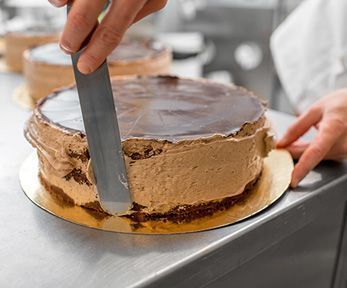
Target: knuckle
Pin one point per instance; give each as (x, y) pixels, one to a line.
(313, 109)
(292, 131)
(79, 22)
(317, 151)
(338, 124)
(94, 60)
(110, 37)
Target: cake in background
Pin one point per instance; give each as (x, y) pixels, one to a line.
(26, 24)
(16, 42)
(47, 68)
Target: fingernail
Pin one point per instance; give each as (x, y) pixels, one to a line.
(55, 3)
(293, 184)
(65, 49)
(84, 67)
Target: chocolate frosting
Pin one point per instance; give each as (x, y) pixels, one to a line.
(164, 108)
(128, 50)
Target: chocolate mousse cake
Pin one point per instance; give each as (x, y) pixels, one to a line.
(191, 147)
(47, 68)
(16, 42)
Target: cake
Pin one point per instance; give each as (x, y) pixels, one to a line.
(191, 147)
(16, 42)
(47, 67)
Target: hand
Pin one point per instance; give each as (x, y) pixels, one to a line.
(329, 117)
(82, 18)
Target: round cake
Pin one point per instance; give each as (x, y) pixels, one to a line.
(47, 68)
(191, 147)
(17, 42)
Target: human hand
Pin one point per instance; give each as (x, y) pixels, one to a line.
(82, 19)
(329, 117)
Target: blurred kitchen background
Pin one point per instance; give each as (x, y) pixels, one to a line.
(223, 40)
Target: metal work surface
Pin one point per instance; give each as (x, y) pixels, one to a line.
(40, 250)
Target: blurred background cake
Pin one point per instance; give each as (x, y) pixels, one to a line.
(47, 68)
(30, 23)
(15, 43)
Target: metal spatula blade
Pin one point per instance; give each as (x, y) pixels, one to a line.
(103, 136)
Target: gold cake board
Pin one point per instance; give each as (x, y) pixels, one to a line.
(22, 97)
(270, 187)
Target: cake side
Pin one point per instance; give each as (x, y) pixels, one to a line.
(42, 79)
(162, 176)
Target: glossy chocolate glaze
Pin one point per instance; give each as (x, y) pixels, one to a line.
(127, 51)
(164, 108)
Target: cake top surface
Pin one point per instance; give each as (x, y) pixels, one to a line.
(163, 108)
(50, 53)
(128, 50)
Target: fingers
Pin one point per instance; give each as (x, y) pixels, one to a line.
(331, 129)
(150, 7)
(339, 151)
(83, 17)
(81, 20)
(300, 126)
(109, 33)
(58, 3)
(297, 149)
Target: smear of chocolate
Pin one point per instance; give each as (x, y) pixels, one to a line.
(57, 193)
(84, 157)
(78, 176)
(179, 214)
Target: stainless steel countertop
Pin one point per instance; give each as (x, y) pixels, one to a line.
(40, 250)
